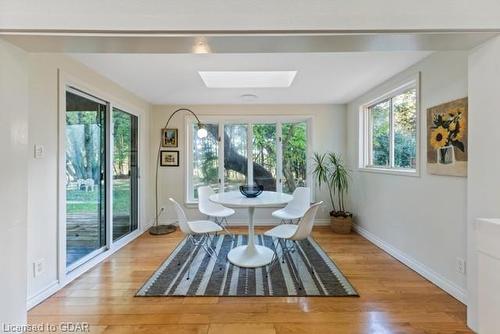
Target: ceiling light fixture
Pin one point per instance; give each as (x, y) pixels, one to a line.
(201, 46)
(247, 79)
(249, 97)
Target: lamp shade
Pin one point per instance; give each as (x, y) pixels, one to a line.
(202, 133)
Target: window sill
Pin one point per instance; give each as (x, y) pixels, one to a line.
(190, 204)
(390, 171)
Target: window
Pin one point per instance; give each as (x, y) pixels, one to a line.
(205, 161)
(235, 156)
(389, 131)
(294, 155)
(264, 155)
(270, 152)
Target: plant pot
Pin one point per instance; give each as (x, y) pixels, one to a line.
(341, 225)
(446, 155)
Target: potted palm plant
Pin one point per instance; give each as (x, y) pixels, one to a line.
(329, 170)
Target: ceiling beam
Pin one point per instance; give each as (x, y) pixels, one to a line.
(244, 43)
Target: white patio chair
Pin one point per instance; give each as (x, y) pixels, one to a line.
(198, 228)
(296, 208)
(213, 210)
(287, 235)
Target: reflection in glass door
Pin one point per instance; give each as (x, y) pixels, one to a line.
(85, 177)
(125, 173)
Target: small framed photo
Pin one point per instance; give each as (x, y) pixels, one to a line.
(169, 138)
(169, 158)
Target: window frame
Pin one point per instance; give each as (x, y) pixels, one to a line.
(222, 120)
(365, 130)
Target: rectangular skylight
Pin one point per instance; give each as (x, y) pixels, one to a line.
(247, 79)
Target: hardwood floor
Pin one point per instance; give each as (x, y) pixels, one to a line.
(393, 298)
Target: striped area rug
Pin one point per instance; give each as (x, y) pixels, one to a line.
(218, 277)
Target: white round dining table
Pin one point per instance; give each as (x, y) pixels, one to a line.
(251, 255)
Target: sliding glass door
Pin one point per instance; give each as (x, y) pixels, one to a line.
(85, 176)
(101, 176)
(125, 173)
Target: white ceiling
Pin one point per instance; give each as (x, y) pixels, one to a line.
(321, 77)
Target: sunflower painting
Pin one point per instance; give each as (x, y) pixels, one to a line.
(447, 138)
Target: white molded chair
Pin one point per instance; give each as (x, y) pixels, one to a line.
(213, 210)
(296, 208)
(200, 228)
(291, 233)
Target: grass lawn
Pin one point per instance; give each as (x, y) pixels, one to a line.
(79, 201)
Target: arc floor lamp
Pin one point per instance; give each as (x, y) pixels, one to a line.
(158, 229)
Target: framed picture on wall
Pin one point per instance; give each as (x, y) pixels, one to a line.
(169, 158)
(447, 152)
(169, 138)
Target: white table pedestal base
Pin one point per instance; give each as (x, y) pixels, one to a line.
(250, 257)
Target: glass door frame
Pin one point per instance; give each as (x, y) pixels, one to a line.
(105, 157)
(67, 273)
(133, 174)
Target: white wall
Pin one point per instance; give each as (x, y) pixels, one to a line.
(328, 132)
(421, 219)
(43, 129)
(483, 186)
(13, 181)
(195, 15)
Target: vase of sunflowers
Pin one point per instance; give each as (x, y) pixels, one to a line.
(446, 155)
(447, 134)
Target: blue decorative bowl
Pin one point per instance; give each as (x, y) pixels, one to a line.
(251, 191)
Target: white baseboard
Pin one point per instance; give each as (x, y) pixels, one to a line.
(322, 222)
(445, 284)
(147, 225)
(42, 295)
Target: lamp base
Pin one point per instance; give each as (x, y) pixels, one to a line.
(162, 229)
